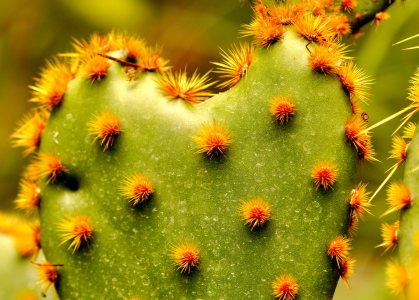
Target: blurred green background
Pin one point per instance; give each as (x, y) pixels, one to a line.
(192, 31)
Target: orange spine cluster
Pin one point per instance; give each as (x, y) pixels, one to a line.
(285, 288)
(398, 197)
(47, 166)
(255, 212)
(212, 139)
(235, 64)
(346, 270)
(338, 249)
(95, 68)
(50, 87)
(358, 205)
(397, 277)
(389, 234)
(178, 86)
(361, 140)
(28, 135)
(185, 257)
(76, 228)
(47, 273)
(29, 196)
(324, 59)
(354, 81)
(137, 188)
(324, 175)
(265, 31)
(150, 60)
(282, 109)
(106, 127)
(348, 5)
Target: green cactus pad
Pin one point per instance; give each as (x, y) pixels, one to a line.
(197, 199)
(154, 187)
(408, 233)
(357, 12)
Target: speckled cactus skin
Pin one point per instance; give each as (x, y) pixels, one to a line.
(408, 233)
(197, 199)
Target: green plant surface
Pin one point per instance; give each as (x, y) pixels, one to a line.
(391, 67)
(19, 272)
(359, 12)
(408, 223)
(367, 11)
(407, 235)
(19, 279)
(198, 199)
(376, 56)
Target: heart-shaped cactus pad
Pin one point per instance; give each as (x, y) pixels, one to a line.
(152, 187)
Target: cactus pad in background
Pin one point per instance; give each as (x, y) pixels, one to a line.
(19, 243)
(402, 272)
(151, 190)
(345, 16)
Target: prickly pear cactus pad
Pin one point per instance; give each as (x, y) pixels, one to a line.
(408, 233)
(402, 271)
(19, 251)
(346, 16)
(153, 187)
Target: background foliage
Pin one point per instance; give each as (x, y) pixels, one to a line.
(191, 32)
